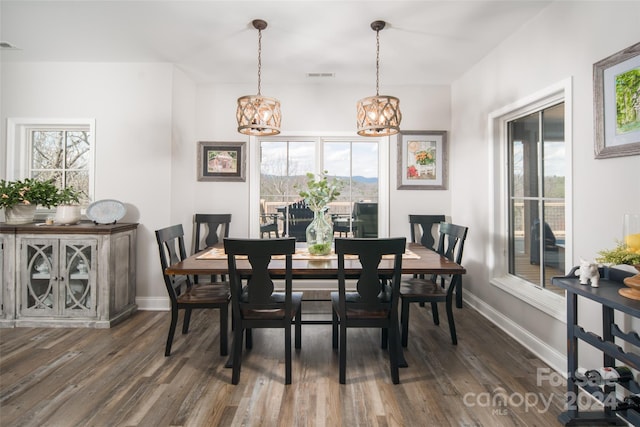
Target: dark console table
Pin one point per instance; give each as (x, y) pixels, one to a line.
(606, 295)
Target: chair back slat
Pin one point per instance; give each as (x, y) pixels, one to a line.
(451, 242)
(372, 289)
(213, 223)
(259, 290)
(172, 250)
(425, 223)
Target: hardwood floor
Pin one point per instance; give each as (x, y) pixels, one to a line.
(120, 377)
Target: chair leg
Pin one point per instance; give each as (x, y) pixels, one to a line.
(287, 355)
(237, 354)
(249, 339)
(343, 353)
(459, 293)
(298, 328)
(186, 321)
(334, 333)
(434, 312)
(172, 331)
(384, 338)
(393, 352)
(404, 320)
(452, 325)
(224, 326)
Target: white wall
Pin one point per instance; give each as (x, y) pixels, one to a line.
(131, 104)
(564, 41)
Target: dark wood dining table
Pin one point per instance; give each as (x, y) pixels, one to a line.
(425, 261)
(419, 260)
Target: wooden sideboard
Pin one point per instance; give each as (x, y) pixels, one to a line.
(81, 275)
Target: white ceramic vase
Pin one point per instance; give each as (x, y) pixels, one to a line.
(67, 214)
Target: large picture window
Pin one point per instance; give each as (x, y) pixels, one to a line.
(537, 153)
(284, 163)
(531, 240)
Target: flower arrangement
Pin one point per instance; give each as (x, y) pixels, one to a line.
(623, 253)
(320, 192)
(424, 157)
(35, 192)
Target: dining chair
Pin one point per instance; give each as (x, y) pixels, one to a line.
(254, 301)
(422, 228)
(434, 289)
(268, 222)
(185, 295)
(374, 303)
(208, 229)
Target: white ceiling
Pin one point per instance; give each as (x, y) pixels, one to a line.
(425, 42)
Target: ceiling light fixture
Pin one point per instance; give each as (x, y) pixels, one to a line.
(378, 115)
(257, 114)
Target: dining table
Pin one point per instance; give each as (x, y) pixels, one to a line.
(417, 260)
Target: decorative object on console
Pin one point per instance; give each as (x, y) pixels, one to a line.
(588, 273)
(20, 198)
(378, 115)
(626, 252)
(68, 208)
(257, 114)
(107, 211)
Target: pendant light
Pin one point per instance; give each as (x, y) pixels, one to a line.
(257, 114)
(378, 115)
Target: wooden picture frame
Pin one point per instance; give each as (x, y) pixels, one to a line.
(221, 161)
(617, 126)
(422, 160)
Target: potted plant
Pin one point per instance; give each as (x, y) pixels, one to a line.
(319, 193)
(68, 208)
(21, 197)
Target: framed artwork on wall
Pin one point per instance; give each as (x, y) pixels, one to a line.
(221, 161)
(422, 160)
(616, 95)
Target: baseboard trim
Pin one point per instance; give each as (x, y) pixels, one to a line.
(552, 357)
(153, 303)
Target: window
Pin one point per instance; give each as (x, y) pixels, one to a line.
(284, 162)
(61, 150)
(531, 147)
(536, 152)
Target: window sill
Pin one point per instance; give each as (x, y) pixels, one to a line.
(546, 301)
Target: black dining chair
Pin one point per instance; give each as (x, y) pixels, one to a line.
(374, 303)
(208, 230)
(255, 303)
(438, 288)
(422, 228)
(185, 295)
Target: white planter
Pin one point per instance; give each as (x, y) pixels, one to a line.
(67, 214)
(20, 214)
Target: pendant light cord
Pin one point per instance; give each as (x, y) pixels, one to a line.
(377, 62)
(259, 59)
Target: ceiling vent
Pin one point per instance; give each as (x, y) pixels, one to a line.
(320, 75)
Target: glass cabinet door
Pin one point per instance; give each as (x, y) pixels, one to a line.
(78, 274)
(40, 279)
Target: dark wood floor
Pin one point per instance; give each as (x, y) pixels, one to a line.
(120, 377)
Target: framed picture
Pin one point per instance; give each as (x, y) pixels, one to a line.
(616, 94)
(221, 161)
(422, 160)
